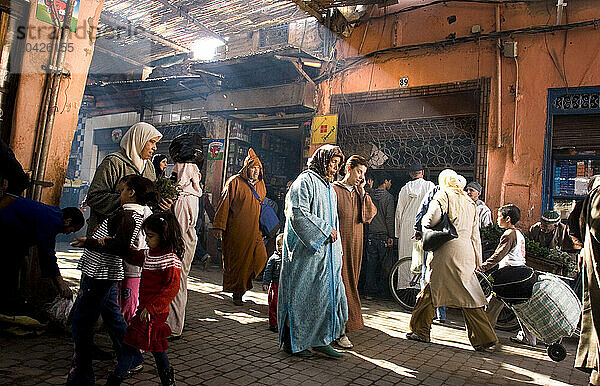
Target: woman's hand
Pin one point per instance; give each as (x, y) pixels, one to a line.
(165, 203)
(218, 233)
(145, 316)
(265, 287)
(333, 235)
(79, 242)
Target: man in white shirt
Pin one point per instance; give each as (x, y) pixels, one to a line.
(409, 203)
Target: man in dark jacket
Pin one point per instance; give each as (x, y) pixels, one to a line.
(24, 223)
(380, 236)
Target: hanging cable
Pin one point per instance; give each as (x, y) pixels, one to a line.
(353, 61)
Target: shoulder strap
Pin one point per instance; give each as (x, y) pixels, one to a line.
(252, 189)
(440, 204)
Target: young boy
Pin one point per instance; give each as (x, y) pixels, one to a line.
(271, 281)
(509, 252)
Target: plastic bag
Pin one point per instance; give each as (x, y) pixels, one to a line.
(416, 264)
(187, 148)
(59, 310)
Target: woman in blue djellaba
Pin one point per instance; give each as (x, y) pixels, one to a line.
(312, 307)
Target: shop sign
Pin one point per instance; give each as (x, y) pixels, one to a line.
(116, 135)
(215, 149)
(53, 12)
(324, 129)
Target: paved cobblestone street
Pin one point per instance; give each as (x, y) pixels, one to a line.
(227, 345)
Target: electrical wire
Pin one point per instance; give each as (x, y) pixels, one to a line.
(66, 94)
(377, 48)
(533, 30)
(415, 7)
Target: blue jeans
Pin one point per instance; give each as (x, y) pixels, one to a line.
(440, 312)
(372, 264)
(131, 357)
(96, 297)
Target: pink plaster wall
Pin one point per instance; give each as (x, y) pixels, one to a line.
(29, 95)
(519, 182)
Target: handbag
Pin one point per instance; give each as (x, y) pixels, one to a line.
(268, 221)
(439, 234)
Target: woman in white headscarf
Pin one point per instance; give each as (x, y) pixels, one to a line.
(450, 278)
(137, 146)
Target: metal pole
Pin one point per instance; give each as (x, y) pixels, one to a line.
(43, 115)
(57, 74)
(498, 80)
(225, 155)
(559, 11)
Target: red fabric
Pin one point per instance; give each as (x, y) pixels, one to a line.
(148, 336)
(273, 289)
(158, 287)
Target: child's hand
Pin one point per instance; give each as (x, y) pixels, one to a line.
(265, 287)
(145, 315)
(78, 242)
(103, 240)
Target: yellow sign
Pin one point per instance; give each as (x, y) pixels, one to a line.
(324, 129)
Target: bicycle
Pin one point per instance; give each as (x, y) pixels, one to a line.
(405, 286)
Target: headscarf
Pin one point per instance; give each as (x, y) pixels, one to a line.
(451, 181)
(320, 160)
(462, 181)
(251, 161)
(135, 139)
(156, 160)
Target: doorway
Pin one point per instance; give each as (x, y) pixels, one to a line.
(441, 126)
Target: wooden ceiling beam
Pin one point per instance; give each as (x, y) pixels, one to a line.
(115, 21)
(115, 55)
(316, 13)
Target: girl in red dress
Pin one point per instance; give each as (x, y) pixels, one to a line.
(161, 269)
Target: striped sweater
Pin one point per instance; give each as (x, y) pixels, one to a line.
(112, 241)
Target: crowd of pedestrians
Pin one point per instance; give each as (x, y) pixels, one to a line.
(335, 235)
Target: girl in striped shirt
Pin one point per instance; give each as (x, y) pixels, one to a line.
(101, 268)
(161, 270)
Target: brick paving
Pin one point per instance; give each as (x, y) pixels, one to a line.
(227, 345)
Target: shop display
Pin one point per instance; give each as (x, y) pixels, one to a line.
(571, 173)
(571, 177)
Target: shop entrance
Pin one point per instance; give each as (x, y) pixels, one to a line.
(280, 150)
(571, 154)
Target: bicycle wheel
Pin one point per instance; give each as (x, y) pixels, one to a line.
(507, 320)
(404, 285)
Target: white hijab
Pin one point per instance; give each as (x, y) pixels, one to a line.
(135, 139)
(452, 181)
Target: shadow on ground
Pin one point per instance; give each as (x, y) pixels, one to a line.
(223, 344)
